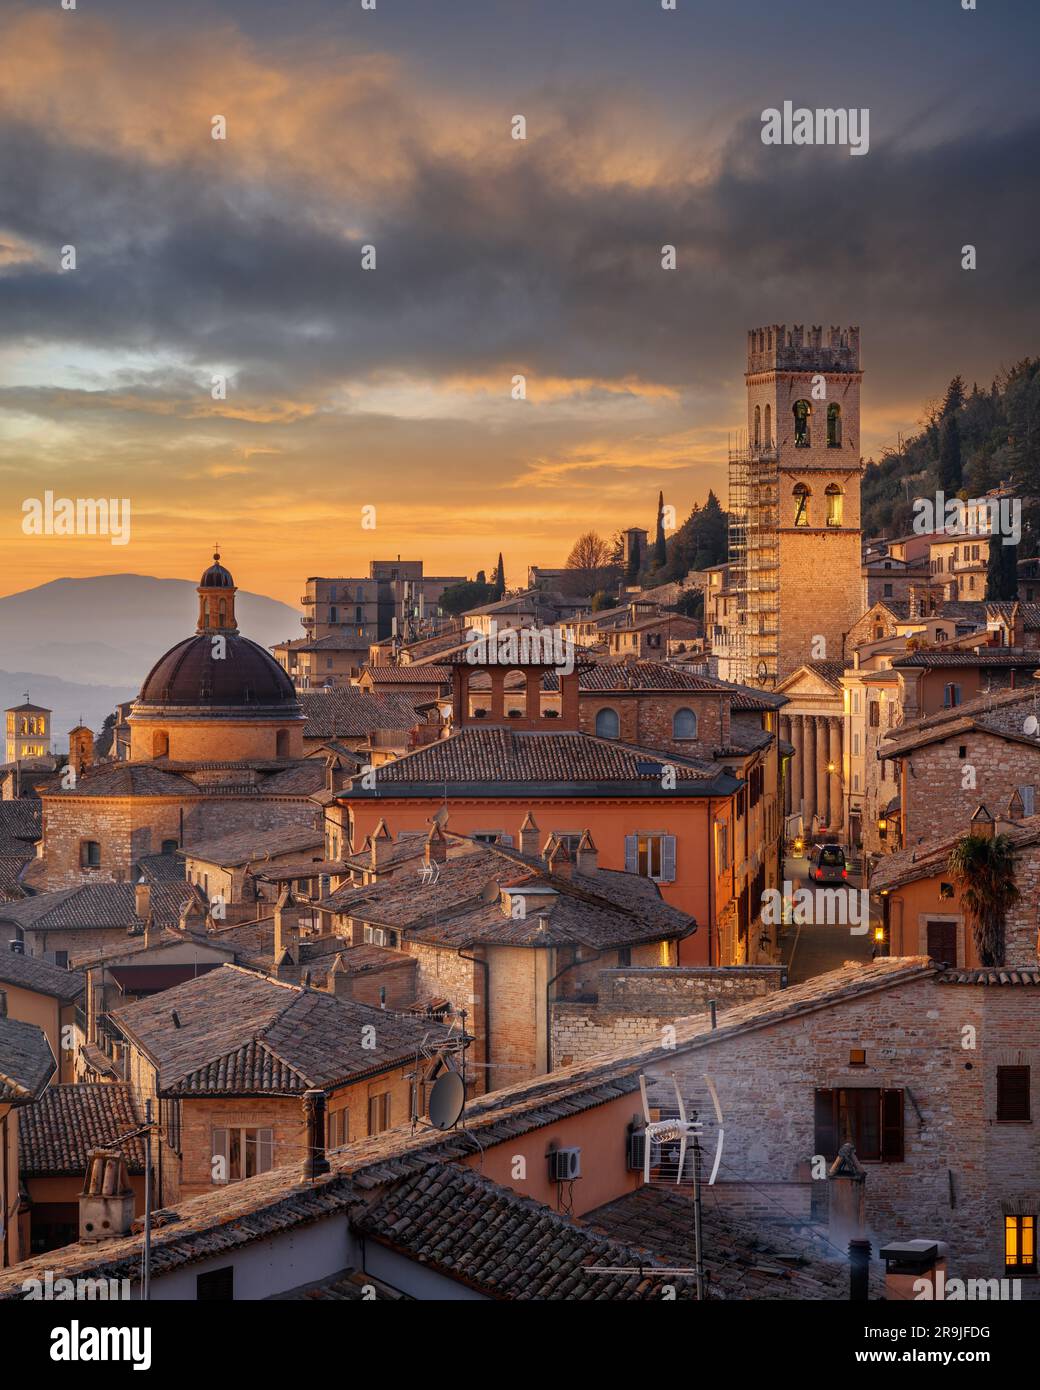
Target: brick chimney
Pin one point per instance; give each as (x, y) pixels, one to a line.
(981, 823)
(436, 851)
(846, 1198)
(529, 835)
(339, 981)
(287, 926)
(1018, 625)
(380, 845)
(152, 931)
(142, 898)
(588, 856)
(106, 1204)
(560, 860)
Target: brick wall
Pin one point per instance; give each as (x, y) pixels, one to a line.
(913, 1036)
(937, 802)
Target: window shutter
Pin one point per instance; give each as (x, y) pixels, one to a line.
(1012, 1093)
(826, 1134)
(506, 840)
(220, 1151)
(265, 1150)
(631, 854)
(891, 1126)
(667, 858)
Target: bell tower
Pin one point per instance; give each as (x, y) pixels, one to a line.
(216, 593)
(795, 499)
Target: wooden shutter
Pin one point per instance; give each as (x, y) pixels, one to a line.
(265, 1150)
(631, 854)
(220, 1171)
(826, 1128)
(667, 859)
(1012, 1093)
(891, 1126)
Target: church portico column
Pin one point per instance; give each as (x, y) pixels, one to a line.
(809, 771)
(822, 775)
(784, 732)
(837, 786)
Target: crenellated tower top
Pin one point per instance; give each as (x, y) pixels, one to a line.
(778, 348)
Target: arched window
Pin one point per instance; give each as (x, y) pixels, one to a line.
(834, 505)
(223, 613)
(608, 725)
(801, 504)
(758, 426)
(684, 724)
(769, 426)
(834, 426)
(514, 689)
(160, 744)
(281, 743)
(802, 435)
(205, 612)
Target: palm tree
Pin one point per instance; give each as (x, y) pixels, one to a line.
(984, 867)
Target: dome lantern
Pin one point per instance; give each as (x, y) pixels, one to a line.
(217, 599)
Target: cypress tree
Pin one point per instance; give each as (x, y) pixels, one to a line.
(660, 545)
(950, 455)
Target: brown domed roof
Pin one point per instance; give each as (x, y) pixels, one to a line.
(245, 676)
(216, 577)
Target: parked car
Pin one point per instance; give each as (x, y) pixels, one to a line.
(827, 864)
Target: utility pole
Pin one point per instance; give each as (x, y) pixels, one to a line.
(146, 1280)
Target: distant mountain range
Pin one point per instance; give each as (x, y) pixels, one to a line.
(80, 646)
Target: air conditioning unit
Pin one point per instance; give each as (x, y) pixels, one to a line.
(636, 1143)
(564, 1165)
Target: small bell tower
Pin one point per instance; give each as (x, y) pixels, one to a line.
(217, 599)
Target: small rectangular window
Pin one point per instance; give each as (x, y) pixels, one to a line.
(379, 1113)
(217, 1285)
(1013, 1094)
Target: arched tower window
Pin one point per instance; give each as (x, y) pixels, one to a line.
(223, 613)
(834, 505)
(281, 743)
(160, 744)
(758, 426)
(802, 412)
(801, 504)
(769, 426)
(608, 725)
(834, 426)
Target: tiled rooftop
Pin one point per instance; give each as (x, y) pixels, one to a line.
(242, 1033)
(354, 713)
(244, 846)
(40, 976)
(95, 905)
(26, 1062)
(56, 1135)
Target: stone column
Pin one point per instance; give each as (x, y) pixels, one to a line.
(837, 787)
(784, 726)
(808, 771)
(822, 775)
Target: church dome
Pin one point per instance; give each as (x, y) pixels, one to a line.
(244, 677)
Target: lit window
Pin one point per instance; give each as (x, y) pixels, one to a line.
(834, 505)
(1020, 1244)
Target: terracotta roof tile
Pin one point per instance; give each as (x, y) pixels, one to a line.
(56, 1134)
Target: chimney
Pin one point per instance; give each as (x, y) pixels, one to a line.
(142, 898)
(106, 1204)
(436, 845)
(907, 1262)
(285, 968)
(529, 835)
(380, 845)
(982, 823)
(287, 926)
(152, 931)
(339, 981)
(859, 1271)
(332, 767)
(559, 860)
(588, 856)
(846, 1198)
(1018, 626)
(315, 1161)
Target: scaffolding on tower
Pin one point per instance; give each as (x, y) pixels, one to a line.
(754, 559)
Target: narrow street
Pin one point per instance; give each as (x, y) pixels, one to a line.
(810, 950)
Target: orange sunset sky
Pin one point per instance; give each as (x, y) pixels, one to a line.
(391, 388)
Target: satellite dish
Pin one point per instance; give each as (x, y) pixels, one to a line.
(446, 1100)
(1032, 726)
